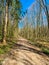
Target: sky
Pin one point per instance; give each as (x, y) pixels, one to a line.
(25, 4)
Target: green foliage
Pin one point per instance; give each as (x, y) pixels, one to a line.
(14, 13)
(45, 50)
(42, 47)
(1, 51)
(4, 49)
(1, 62)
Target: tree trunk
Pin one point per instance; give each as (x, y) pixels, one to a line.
(5, 25)
(48, 24)
(15, 31)
(48, 21)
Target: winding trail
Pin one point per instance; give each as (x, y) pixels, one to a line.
(24, 53)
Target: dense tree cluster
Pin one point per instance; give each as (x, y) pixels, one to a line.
(36, 21)
(10, 12)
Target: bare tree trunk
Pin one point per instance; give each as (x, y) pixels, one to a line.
(5, 25)
(48, 24)
(48, 21)
(15, 31)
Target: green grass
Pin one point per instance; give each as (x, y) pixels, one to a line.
(45, 50)
(1, 62)
(4, 49)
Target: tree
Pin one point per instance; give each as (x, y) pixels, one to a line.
(16, 15)
(6, 20)
(45, 6)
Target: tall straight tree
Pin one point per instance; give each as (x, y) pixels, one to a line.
(45, 5)
(6, 20)
(7, 4)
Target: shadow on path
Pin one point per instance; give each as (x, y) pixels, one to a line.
(21, 46)
(24, 58)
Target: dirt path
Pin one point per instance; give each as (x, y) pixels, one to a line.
(25, 54)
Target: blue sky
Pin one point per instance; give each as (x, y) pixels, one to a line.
(26, 3)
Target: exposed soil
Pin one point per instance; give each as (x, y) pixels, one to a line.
(24, 53)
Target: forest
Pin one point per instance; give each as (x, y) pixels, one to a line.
(24, 32)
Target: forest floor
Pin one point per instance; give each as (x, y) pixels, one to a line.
(24, 53)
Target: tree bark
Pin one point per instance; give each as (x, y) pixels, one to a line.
(48, 21)
(5, 25)
(48, 24)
